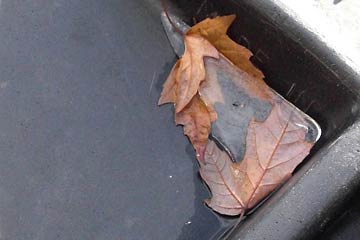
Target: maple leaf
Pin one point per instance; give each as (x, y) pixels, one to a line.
(168, 94)
(273, 149)
(210, 90)
(196, 120)
(181, 88)
(191, 71)
(216, 86)
(194, 116)
(214, 30)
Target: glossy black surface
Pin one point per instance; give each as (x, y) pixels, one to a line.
(85, 151)
(314, 78)
(347, 225)
(294, 63)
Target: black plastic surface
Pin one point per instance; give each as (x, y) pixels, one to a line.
(294, 62)
(347, 225)
(304, 70)
(85, 151)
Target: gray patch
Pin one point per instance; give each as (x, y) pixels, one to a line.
(230, 129)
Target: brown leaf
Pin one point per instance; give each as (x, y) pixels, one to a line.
(214, 30)
(168, 94)
(211, 90)
(181, 87)
(183, 83)
(191, 70)
(196, 120)
(195, 117)
(274, 148)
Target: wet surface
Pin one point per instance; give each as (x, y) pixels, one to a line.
(85, 151)
(239, 97)
(244, 101)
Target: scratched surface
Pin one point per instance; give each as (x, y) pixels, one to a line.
(85, 151)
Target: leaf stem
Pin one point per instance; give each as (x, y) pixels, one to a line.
(238, 221)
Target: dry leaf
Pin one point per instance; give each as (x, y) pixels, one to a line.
(184, 80)
(168, 94)
(181, 88)
(210, 90)
(196, 120)
(194, 117)
(214, 30)
(191, 70)
(273, 149)
(216, 85)
(274, 146)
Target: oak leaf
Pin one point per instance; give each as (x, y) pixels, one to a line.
(273, 149)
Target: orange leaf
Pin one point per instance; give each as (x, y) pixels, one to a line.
(181, 87)
(191, 70)
(196, 120)
(168, 94)
(273, 149)
(183, 84)
(214, 30)
(210, 90)
(211, 29)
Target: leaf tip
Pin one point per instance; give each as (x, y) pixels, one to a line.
(161, 101)
(164, 100)
(230, 18)
(178, 108)
(207, 202)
